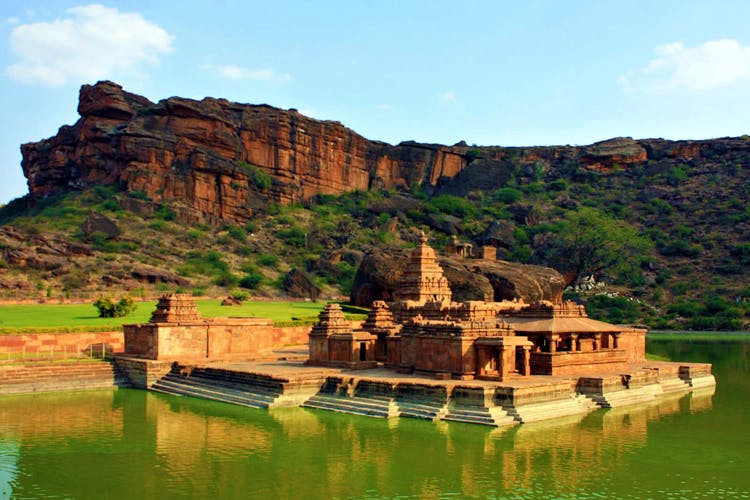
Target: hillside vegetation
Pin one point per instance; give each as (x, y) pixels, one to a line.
(665, 243)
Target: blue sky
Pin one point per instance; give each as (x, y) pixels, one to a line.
(490, 73)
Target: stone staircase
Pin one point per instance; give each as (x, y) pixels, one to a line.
(534, 412)
(220, 385)
(495, 416)
(60, 376)
(674, 385)
(626, 397)
(422, 408)
(371, 406)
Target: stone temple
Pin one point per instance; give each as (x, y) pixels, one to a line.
(420, 356)
(423, 331)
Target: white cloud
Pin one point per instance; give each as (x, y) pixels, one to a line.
(11, 20)
(448, 95)
(93, 42)
(384, 107)
(233, 72)
(714, 64)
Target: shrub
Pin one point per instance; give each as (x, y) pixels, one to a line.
(226, 279)
(257, 176)
(268, 260)
(452, 205)
(742, 253)
(239, 295)
(108, 308)
(508, 195)
(251, 280)
(293, 236)
(237, 233)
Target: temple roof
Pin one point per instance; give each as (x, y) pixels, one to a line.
(558, 324)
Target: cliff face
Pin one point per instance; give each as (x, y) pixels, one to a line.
(210, 154)
(221, 160)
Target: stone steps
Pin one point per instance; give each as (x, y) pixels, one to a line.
(674, 385)
(367, 406)
(49, 377)
(627, 396)
(495, 416)
(200, 379)
(179, 385)
(545, 410)
(422, 409)
(702, 381)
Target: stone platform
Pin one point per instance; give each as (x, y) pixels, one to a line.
(282, 379)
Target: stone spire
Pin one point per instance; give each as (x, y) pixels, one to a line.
(331, 321)
(423, 279)
(175, 308)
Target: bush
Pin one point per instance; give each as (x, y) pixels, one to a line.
(293, 236)
(108, 308)
(251, 280)
(508, 195)
(257, 176)
(742, 253)
(453, 205)
(268, 260)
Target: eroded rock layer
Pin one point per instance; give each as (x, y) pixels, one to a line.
(220, 161)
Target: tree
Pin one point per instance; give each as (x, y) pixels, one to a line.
(588, 241)
(108, 308)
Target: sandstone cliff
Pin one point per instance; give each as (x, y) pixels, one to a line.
(222, 161)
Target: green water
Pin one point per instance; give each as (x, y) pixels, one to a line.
(134, 444)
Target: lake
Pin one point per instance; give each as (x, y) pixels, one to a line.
(136, 444)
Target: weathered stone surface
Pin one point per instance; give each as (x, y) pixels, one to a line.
(224, 161)
(470, 279)
(298, 284)
(210, 154)
(98, 223)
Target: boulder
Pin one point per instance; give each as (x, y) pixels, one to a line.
(470, 279)
(298, 284)
(97, 223)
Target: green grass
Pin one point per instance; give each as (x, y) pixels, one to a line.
(31, 318)
(692, 336)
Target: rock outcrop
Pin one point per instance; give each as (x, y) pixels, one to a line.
(469, 279)
(223, 161)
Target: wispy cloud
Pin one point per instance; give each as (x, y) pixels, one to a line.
(233, 72)
(92, 42)
(384, 107)
(713, 64)
(11, 20)
(448, 95)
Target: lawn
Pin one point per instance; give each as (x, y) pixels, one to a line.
(26, 318)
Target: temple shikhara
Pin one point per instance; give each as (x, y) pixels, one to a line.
(421, 355)
(423, 331)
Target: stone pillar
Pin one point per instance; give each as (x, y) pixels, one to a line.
(615, 341)
(552, 340)
(597, 341)
(574, 344)
(526, 361)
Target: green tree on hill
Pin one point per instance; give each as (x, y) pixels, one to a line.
(588, 241)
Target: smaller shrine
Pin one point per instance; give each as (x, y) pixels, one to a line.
(177, 330)
(333, 342)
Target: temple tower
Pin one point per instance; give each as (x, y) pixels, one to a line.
(175, 308)
(423, 279)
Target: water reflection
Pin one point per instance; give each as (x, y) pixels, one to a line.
(137, 444)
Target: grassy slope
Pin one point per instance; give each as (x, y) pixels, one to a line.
(82, 317)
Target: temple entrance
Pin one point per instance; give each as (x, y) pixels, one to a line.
(363, 351)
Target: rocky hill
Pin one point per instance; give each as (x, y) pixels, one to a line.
(206, 193)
